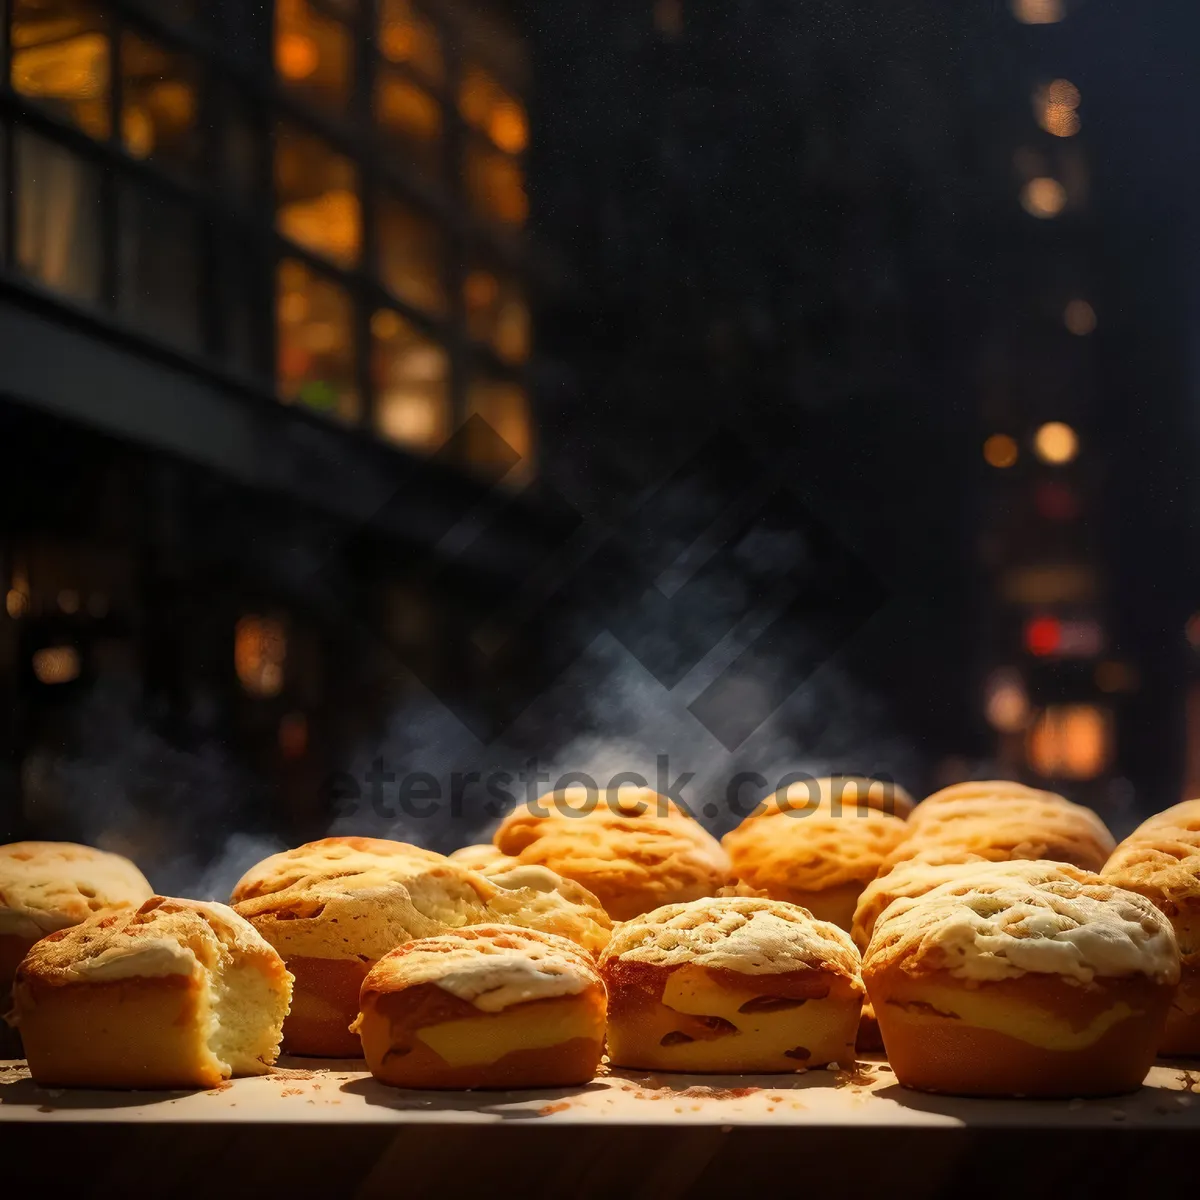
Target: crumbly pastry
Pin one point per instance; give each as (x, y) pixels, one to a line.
(839, 794)
(1026, 980)
(813, 858)
(995, 791)
(481, 857)
(46, 886)
(489, 1006)
(173, 994)
(1013, 825)
(1161, 861)
(333, 908)
(731, 985)
(621, 849)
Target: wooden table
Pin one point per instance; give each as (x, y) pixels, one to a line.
(326, 1127)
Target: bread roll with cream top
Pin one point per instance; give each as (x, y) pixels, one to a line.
(173, 994)
(731, 985)
(813, 855)
(488, 1006)
(1012, 825)
(47, 886)
(335, 907)
(1161, 861)
(634, 850)
(1028, 980)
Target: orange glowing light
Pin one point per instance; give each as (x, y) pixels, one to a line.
(1056, 443)
(56, 664)
(16, 603)
(1070, 741)
(1079, 317)
(296, 56)
(1043, 197)
(507, 127)
(293, 734)
(259, 653)
(1043, 635)
(1000, 451)
(1038, 12)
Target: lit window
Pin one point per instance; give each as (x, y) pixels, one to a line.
(497, 314)
(1007, 704)
(410, 39)
(158, 266)
(259, 655)
(505, 408)
(57, 212)
(409, 375)
(410, 120)
(495, 184)
(1038, 12)
(1070, 741)
(317, 195)
(315, 331)
(410, 254)
(313, 54)
(60, 58)
(1043, 197)
(158, 104)
(493, 110)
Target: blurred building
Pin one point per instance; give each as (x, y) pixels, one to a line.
(257, 263)
(1082, 402)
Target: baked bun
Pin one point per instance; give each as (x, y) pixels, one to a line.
(1161, 861)
(490, 1006)
(1031, 980)
(173, 994)
(731, 985)
(993, 791)
(481, 857)
(334, 907)
(634, 850)
(811, 856)
(841, 795)
(1009, 824)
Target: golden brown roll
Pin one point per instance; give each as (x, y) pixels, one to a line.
(813, 857)
(489, 1006)
(634, 851)
(991, 791)
(841, 795)
(1161, 861)
(1024, 981)
(1012, 824)
(731, 985)
(46, 886)
(333, 908)
(174, 994)
(481, 857)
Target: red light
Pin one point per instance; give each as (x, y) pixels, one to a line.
(1043, 635)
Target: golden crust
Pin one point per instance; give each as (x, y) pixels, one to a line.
(840, 795)
(1025, 918)
(524, 825)
(990, 791)
(489, 966)
(361, 897)
(46, 886)
(1015, 827)
(164, 936)
(1161, 861)
(812, 852)
(735, 933)
(631, 863)
(914, 877)
(483, 857)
